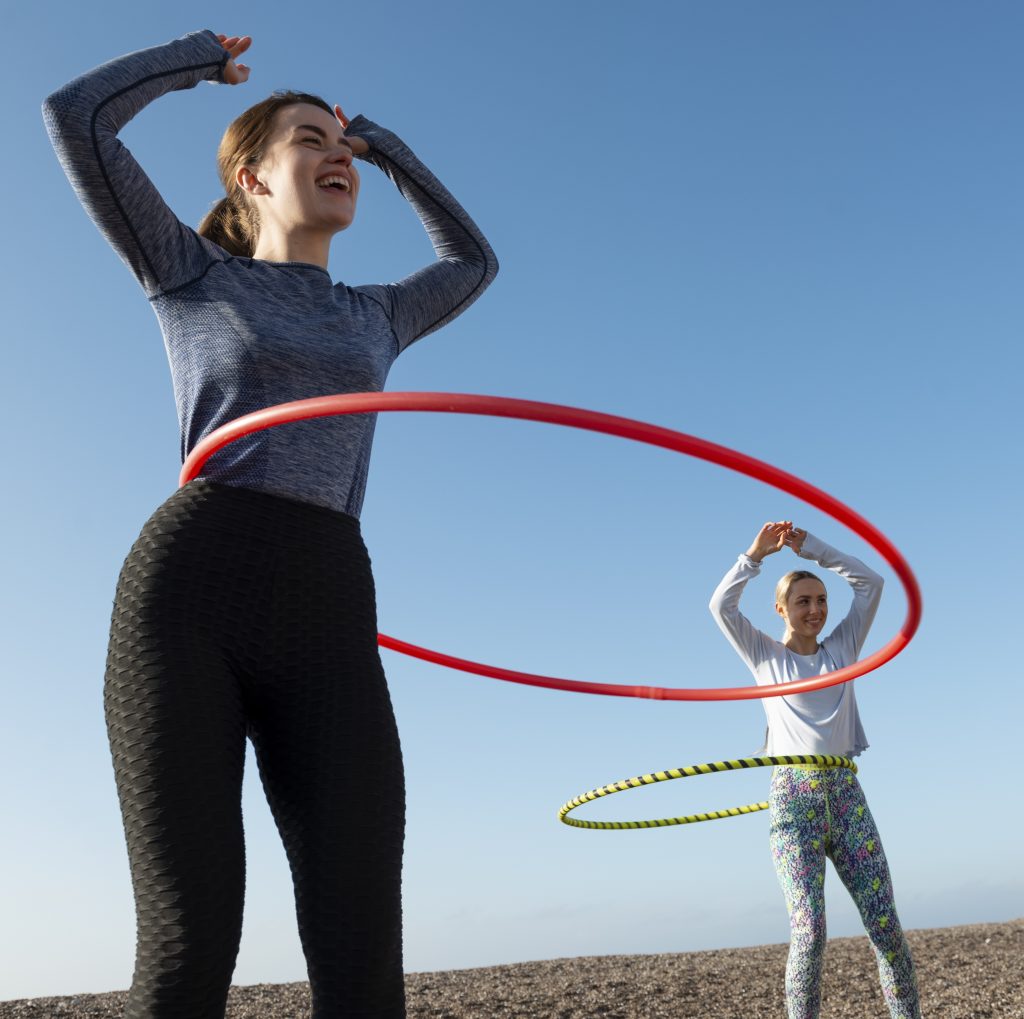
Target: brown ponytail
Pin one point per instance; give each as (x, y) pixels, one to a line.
(233, 222)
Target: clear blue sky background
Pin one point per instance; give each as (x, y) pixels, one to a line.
(792, 228)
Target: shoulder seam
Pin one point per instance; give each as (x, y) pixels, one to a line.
(391, 325)
(182, 286)
(472, 293)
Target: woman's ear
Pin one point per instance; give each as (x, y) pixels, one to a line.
(780, 609)
(249, 182)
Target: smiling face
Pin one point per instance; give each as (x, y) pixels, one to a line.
(305, 181)
(805, 609)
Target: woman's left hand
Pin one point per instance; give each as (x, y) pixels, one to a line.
(359, 146)
(795, 539)
(233, 72)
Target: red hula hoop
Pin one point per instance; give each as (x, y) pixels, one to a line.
(609, 424)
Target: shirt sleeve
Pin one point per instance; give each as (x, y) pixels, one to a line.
(466, 265)
(851, 633)
(83, 120)
(751, 644)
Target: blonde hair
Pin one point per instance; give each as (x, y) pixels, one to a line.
(782, 588)
(233, 222)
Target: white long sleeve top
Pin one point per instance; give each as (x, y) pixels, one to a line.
(823, 721)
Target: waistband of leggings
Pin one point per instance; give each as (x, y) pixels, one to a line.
(813, 770)
(244, 512)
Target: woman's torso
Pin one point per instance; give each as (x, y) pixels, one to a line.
(252, 334)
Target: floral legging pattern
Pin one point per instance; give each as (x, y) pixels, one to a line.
(819, 813)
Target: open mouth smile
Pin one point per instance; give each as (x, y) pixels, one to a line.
(335, 182)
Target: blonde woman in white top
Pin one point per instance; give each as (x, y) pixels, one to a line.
(818, 813)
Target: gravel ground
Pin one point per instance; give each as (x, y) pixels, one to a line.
(974, 972)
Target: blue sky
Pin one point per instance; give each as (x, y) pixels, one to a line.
(793, 229)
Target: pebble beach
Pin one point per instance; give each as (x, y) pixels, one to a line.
(970, 972)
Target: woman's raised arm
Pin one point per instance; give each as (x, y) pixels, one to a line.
(751, 644)
(866, 584)
(465, 266)
(83, 119)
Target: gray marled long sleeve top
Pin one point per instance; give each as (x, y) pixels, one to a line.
(243, 334)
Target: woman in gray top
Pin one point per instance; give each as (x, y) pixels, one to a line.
(246, 607)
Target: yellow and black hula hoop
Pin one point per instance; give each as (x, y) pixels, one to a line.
(821, 761)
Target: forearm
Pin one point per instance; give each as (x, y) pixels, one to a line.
(466, 263)
(867, 592)
(83, 119)
(864, 581)
(725, 608)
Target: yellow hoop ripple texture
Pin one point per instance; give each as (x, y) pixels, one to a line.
(689, 772)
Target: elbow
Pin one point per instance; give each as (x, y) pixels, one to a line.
(60, 116)
(59, 103)
(52, 105)
(486, 267)
(481, 252)
(873, 592)
(53, 102)
(488, 264)
(474, 265)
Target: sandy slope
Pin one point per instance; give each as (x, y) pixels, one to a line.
(974, 972)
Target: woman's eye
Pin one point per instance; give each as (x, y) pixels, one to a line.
(312, 139)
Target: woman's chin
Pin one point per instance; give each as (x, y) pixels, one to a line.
(342, 223)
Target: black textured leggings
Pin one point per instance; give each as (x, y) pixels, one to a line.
(240, 613)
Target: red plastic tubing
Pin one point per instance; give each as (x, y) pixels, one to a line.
(627, 428)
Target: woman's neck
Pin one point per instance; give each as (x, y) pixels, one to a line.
(801, 645)
(312, 248)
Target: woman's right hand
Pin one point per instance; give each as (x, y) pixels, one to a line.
(236, 45)
(359, 146)
(770, 539)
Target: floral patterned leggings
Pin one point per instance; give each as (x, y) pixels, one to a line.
(818, 813)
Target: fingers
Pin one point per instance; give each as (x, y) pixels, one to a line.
(236, 45)
(359, 145)
(235, 73)
(770, 539)
(795, 538)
